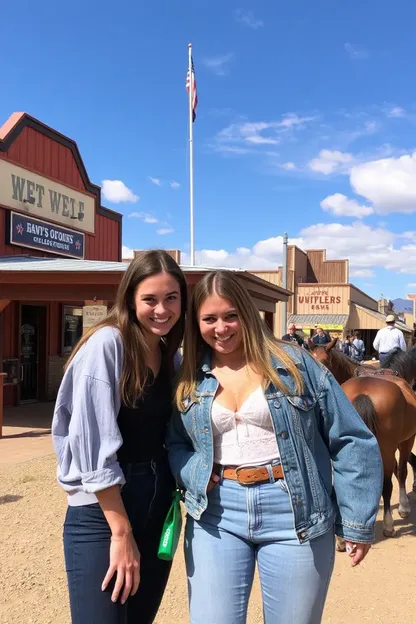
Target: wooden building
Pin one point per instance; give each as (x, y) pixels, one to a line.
(49, 209)
(323, 295)
(60, 259)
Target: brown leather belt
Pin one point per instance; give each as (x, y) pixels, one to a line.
(249, 476)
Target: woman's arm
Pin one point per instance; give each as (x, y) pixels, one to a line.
(124, 554)
(181, 451)
(357, 465)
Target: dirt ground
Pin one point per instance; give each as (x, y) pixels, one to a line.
(32, 578)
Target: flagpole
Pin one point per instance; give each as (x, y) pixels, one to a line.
(191, 154)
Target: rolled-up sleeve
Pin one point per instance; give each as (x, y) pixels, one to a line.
(88, 442)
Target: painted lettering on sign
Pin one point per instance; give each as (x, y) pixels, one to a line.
(28, 232)
(29, 192)
(319, 300)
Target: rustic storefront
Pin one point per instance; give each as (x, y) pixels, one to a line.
(49, 209)
(60, 259)
(53, 300)
(322, 296)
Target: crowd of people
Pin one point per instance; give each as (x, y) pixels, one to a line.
(259, 438)
(386, 340)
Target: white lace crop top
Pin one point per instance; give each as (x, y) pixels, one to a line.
(245, 437)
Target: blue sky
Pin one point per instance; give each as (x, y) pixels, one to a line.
(305, 124)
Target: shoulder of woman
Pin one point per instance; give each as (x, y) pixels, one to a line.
(104, 348)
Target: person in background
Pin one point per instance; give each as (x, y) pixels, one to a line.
(357, 347)
(346, 347)
(389, 338)
(321, 337)
(109, 430)
(292, 336)
(261, 436)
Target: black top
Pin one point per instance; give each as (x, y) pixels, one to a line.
(321, 339)
(143, 427)
(293, 338)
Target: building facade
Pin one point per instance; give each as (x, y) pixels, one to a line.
(49, 209)
(60, 259)
(322, 295)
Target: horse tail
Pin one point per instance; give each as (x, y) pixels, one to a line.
(365, 407)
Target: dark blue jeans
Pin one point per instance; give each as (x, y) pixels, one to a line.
(147, 496)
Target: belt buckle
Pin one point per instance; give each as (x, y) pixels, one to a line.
(244, 468)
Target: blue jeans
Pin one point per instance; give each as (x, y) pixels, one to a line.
(147, 496)
(244, 525)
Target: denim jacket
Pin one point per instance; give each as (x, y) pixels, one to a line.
(331, 461)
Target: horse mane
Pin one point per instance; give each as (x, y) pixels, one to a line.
(403, 363)
(345, 364)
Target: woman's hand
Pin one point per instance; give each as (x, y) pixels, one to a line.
(213, 480)
(125, 562)
(356, 551)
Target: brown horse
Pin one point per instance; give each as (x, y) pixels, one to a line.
(386, 402)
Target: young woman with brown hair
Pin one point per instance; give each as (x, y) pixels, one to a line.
(109, 428)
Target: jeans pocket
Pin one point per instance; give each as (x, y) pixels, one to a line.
(283, 486)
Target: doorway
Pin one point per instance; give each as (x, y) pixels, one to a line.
(32, 352)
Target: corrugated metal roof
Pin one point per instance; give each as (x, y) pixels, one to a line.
(32, 263)
(382, 318)
(309, 320)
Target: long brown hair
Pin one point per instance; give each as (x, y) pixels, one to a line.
(258, 342)
(123, 317)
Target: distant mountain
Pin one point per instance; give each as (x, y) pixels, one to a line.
(402, 305)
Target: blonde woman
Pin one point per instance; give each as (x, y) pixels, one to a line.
(258, 427)
(109, 431)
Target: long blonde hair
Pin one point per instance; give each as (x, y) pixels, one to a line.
(123, 317)
(258, 342)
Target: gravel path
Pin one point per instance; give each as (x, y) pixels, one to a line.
(32, 578)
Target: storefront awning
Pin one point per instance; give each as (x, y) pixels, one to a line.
(334, 322)
(381, 319)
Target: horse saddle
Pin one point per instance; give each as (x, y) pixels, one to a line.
(369, 371)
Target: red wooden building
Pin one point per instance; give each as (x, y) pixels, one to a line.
(60, 259)
(48, 208)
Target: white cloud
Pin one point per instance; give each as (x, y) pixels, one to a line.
(289, 166)
(143, 216)
(362, 273)
(341, 206)
(243, 137)
(331, 161)
(218, 64)
(356, 51)
(396, 111)
(117, 192)
(163, 231)
(174, 185)
(367, 248)
(156, 181)
(248, 19)
(127, 253)
(389, 184)
(412, 286)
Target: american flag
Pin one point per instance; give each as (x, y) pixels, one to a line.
(194, 92)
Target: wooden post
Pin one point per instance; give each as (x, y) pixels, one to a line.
(2, 376)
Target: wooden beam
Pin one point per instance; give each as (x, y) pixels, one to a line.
(2, 376)
(3, 304)
(58, 292)
(61, 277)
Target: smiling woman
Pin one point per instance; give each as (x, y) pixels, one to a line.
(109, 429)
(258, 425)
